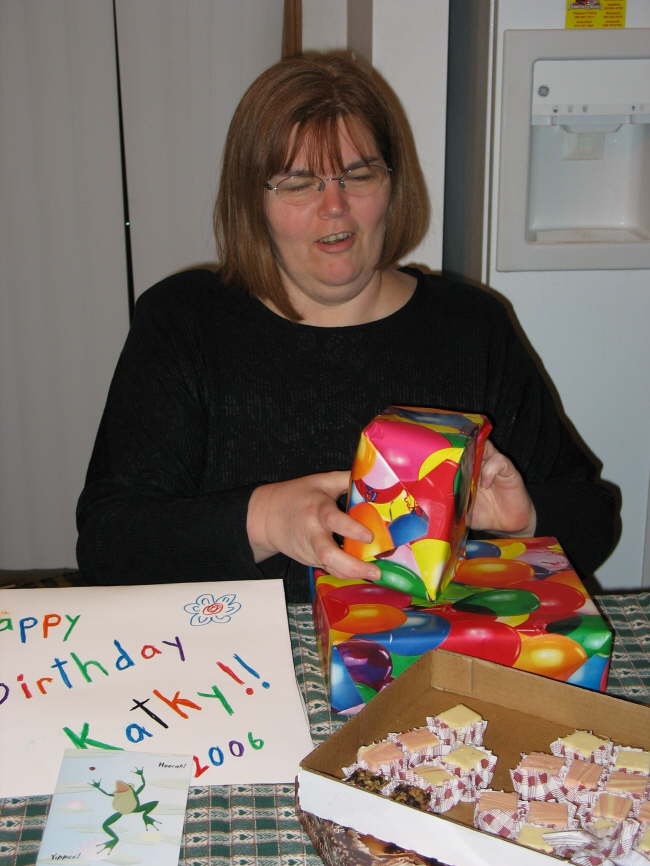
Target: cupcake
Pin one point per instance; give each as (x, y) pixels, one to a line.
(580, 780)
(584, 745)
(419, 744)
(443, 789)
(459, 724)
(626, 782)
(608, 819)
(365, 780)
(374, 766)
(380, 757)
(537, 776)
(473, 765)
(550, 813)
(498, 812)
(612, 806)
(632, 760)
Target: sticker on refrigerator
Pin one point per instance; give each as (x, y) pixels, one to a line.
(594, 14)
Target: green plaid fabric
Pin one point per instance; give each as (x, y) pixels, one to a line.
(255, 825)
(629, 618)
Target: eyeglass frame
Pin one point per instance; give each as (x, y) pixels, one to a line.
(323, 180)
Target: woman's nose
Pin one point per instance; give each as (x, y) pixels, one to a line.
(333, 200)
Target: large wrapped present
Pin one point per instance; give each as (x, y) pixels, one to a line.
(412, 484)
(513, 601)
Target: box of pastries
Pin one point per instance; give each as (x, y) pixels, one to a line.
(465, 762)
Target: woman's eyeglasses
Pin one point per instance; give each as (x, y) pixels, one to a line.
(303, 189)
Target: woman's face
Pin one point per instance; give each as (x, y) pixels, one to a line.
(327, 250)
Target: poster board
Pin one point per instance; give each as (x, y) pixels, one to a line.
(203, 669)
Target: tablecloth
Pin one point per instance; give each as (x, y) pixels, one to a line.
(255, 825)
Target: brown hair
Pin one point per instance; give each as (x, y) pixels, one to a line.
(309, 94)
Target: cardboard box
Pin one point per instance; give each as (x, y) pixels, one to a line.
(412, 484)
(525, 713)
(513, 601)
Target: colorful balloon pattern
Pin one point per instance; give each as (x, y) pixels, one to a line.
(499, 607)
(412, 483)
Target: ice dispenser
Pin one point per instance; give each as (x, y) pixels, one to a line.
(574, 175)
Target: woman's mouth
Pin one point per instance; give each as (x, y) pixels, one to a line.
(336, 238)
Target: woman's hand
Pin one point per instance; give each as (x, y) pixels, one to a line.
(502, 502)
(298, 518)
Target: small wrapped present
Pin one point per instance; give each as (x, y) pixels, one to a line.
(413, 481)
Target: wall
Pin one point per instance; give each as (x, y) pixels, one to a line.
(324, 25)
(63, 294)
(407, 42)
(184, 68)
(63, 301)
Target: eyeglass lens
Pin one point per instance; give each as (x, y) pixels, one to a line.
(359, 181)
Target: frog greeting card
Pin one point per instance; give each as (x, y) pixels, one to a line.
(198, 668)
(114, 804)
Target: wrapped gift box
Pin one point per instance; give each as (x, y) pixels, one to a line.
(513, 601)
(412, 484)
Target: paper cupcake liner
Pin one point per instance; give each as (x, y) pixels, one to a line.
(498, 822)
(589, 858)
(568, 843)
(602, 755)
(583, 798)
(631, 858)
(450, 792)
(441, 798)
(641, 814)
(535, 785)
(641, 830)
(470, 735)
(381, 778)
(617, 841)
(600, 856)
(624, 842)
(586, 815)
(580, 795)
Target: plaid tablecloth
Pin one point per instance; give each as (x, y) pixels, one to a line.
(255, 825)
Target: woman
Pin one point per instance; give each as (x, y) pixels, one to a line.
(239, 397)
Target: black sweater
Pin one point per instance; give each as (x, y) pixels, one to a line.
(214, 394)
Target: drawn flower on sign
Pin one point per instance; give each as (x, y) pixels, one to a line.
(208, 608)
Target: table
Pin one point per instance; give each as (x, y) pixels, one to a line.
(255, 825)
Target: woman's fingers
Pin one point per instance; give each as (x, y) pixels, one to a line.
(342, 524)
(502, 502)
(332, 559)
(299, 517)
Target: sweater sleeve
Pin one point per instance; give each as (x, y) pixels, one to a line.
(144, 514)
(571, 501)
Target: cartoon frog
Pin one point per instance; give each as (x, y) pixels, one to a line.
(126, 802)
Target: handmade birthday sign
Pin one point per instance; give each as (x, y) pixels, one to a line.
(203, 669)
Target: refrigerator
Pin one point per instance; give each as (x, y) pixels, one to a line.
(547, 201)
